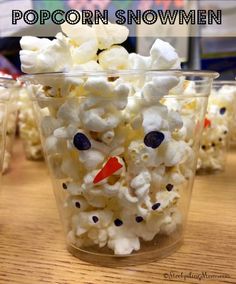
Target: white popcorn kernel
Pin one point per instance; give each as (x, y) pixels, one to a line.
(74, 188)
(139, 62)
(114, 58)
(49, 124)
(166, 198)
(69, 112)
(91, 158)
(122, 241)
(54, 145)
(85, 52)
(175, 152)
(33, 43)
(121, 92)
(98, 120)
(70, 168)
(175, 120)
(108, 137)
(159, 87)
(79, 33)
(42, 60)
(110, 34)
(98, 86)
(163, 55)
(153, 118)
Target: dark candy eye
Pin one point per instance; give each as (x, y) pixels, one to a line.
(169, 187)
(220, 139)
(81, 142)
(203, 147)
(95, 219)
(222, 110)
(154, 139)
(213, 144)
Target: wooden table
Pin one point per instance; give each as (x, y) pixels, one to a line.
(32, 248)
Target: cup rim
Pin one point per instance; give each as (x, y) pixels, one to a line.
(113, 73)
(224, 82)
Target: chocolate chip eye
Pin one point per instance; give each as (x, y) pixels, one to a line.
(220, 139)
(139, 219)
(203, 147)
(213, 144)
(222, 110)
(169, 187)
(95, 219)
(154, 139)
(118, 222)
(225, 132)
(77, 204)
(64, 185)
(81, 141)
(156, 206)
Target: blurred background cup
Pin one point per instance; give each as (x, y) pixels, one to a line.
(219, 127)
(6, 101)
(28, 129)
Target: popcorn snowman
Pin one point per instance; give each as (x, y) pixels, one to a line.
(110, 140)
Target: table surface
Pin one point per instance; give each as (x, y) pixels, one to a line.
(32, 247)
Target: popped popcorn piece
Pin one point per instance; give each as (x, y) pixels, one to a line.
(114, 58)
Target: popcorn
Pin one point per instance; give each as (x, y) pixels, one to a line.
(114, 58)
(164, 56)
(119, 148)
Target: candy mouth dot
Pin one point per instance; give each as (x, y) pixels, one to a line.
(139, 219)
(203, 147)
(64, 185)
(213, 144)
(220, 139)
(156, 206)
(118, 222)
(77, 204)
(95, 219)
(169, 187)
(81, 142)
(154, 139)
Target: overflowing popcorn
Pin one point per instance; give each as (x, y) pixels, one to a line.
(218, 126)
(27, 126)
(121, 153)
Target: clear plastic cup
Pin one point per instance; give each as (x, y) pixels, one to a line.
(122, 157)
(220, 123)
(6, 86)
(28, 128)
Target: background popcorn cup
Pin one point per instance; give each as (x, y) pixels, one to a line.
(219, 127)
(121, 148)
(6, 86)
(28, 128)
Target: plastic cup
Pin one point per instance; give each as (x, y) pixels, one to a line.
(122, 163)
(219, 127)
(6, 86)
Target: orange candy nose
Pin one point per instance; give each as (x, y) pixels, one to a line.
(207, 123)
(111, 166)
